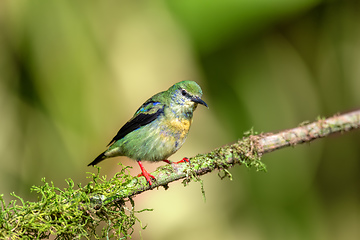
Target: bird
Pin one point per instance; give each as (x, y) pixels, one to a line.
(158, 128)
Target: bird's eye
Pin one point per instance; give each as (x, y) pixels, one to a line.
(183, 92)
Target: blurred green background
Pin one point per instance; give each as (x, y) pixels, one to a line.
(73, 72)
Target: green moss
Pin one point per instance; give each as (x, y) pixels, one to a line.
(71, 213)
(76, 212)
(243, 152)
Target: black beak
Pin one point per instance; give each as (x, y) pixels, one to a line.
(199, 100)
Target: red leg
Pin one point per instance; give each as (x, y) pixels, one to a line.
(145, 173)
(182, 160)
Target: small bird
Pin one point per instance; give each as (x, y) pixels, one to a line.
(158, 128)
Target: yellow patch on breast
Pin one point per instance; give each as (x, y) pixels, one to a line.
(181, 126)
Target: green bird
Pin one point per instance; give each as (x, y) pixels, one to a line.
(158, 128)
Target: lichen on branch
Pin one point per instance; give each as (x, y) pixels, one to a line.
(74, 213)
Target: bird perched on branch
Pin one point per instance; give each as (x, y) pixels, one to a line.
(158, 128)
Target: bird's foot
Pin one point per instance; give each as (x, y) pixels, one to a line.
(148, 176)
(145, 174)
(185, 159)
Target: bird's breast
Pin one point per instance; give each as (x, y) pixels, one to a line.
(179, 127)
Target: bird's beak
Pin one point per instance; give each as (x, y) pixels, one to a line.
(199, 100)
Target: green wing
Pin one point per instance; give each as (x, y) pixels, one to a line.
(147, 113)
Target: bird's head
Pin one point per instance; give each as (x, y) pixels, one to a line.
(186, 95)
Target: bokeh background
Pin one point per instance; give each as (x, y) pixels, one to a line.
(73, 72)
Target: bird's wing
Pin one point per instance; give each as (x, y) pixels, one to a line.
(147, 113)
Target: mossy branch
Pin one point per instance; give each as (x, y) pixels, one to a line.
(75, 213)
(247, 151)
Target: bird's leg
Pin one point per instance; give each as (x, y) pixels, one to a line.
(185, 159)
(145, 173)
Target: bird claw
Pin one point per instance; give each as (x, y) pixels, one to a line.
(147, 176)
(145, 173)
(185, 159)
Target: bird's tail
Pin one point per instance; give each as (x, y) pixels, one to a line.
(98, 159)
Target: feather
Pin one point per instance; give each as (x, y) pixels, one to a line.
(98, 159)
(147, 113)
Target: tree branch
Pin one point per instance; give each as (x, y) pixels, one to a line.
(75, 213)
(245, 151)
